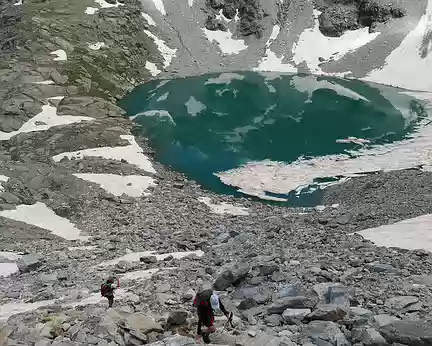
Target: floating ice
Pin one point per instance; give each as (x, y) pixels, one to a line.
(224, 208)
(313, 45)
(409, 234)
(194, 107)
(224, 78)
(61, 55)
(225, 40)
(131, 185)
(132, 154)
(43, 121)
(309, 84)
(154, 113)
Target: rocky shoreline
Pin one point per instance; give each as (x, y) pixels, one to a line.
(291, 277)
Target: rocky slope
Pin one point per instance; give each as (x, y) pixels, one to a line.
(289, 276)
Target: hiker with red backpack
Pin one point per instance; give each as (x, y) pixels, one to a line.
(206, 303)
(107, 290)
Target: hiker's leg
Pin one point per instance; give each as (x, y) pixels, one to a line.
(110, 301)
(206, 338)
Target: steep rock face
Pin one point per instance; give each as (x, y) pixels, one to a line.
(10, 17)
(340, 15)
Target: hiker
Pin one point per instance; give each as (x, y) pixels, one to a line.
(107, 290)
(207, 302)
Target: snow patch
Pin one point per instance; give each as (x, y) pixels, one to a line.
(41, 216)
(43, 121)
(131, 185)
(270, 61)
(61, 55)
(96, 46)
(135, 256)
(225, 40)
(18, 3)
(224, 78)
(152, 68)
(155, 113)
(82, 248)
(224, 208)
(167, 53)
(194, 107)
(104, 4)
(7, 269)
(11, 256)
(409, 234)
(313, 45)
(160, 6)
(149, 19)
(309, 84)
(10, 309)
(45, 82)
(132, 154)
(409, 65)
(190, 2)
(91, 10)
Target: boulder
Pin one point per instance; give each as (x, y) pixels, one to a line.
(412, 333)
(231, 276)
(268, 269)
(291, 316)
(29, 263)
(247, 304)
(370, 337)
(328, 312)
(322, 332)
(300, 302)
(142, 324)
(383, 268)
(379, 321)
(177, 318)
(273, 320)
(338, 295)
(405, 303)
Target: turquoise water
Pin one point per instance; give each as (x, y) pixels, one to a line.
(212, 123)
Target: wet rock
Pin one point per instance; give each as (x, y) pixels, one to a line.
(292, 316)
(29, 263)
(412, 333)
(177, 318)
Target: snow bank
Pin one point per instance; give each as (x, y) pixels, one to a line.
(7, 269)
(160, 6)
(11, 256)
(149, 19)
(43, 121)
(410, 65)
(10, 309)
(224, 208)
(135, 256)
(132, 154)
(309, 84)
(409, 234)
(41, 216)
(152, 68)
(131, 185)
(270, 61)
(225, 40)
(313, 45)
(167, 53)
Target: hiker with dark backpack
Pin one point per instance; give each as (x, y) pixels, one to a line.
(107, 290)
(206, 303)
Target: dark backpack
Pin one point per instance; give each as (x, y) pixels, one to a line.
(203, 298)
(106, 289)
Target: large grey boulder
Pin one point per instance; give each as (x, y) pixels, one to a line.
(379, 321)
(371, 337)
(300, 302)
(405, 303)
(321, 332)
(177, 318)
(29, 263)
(412, 333)
(292, 316)
(231, 276)
(328, 312)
